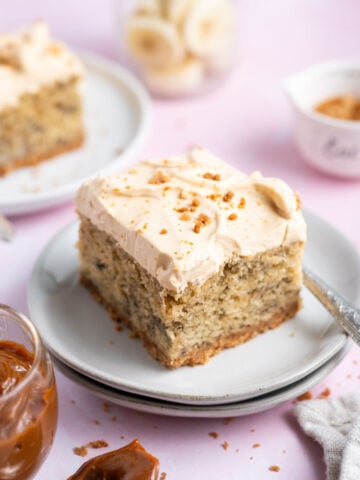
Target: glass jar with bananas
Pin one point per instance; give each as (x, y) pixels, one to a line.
(179, 47)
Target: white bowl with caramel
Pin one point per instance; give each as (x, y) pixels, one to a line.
(326, 104)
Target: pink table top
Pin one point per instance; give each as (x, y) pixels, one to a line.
(247, 121)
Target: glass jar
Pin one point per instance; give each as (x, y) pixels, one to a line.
(178, 47)
(28, 398)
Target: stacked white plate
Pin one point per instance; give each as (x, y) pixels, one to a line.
(268, 370)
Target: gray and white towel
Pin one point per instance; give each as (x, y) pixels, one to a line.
(335, 424)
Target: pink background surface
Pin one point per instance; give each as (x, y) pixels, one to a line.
(247, 121)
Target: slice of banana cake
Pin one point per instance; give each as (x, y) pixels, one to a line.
(40, 104)
(193, 255)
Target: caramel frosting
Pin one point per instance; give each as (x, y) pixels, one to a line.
(181, 218)
(29, 60)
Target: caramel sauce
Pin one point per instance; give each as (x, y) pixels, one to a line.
(345, 107)
(15, 363)
(27, 419)
(132, 462)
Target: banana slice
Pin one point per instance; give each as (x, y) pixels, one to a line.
(209, 27)
(279, 194)
(153, 41)
(10, 52)
(38, 34)
(18, 50)
(176, 10)
(148, 7)
(181, 79)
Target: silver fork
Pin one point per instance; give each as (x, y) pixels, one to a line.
(343, 311)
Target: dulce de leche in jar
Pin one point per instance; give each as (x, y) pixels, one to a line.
(28, 398)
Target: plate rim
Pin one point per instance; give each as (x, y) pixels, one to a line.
(183, 398)
(29, 203)
(239, 408)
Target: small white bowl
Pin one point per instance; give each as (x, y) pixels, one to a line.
(329, 144)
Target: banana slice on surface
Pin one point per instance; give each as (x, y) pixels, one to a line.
(153, 41)
(181, 79)
(209, 27)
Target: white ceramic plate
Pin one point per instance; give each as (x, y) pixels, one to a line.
(79, 332)
(247, 407)
(117, 117)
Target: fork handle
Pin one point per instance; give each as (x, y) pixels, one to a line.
(343, 311)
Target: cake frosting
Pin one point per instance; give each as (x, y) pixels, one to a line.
(181, 218)
(29, 60)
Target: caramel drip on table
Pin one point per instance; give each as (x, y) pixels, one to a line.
(132, 462)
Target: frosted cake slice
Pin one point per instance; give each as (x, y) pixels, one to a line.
(193, 255)
(40, 104)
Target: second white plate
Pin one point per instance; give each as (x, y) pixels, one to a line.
(246, 407)
(117, 118)
(80, 334)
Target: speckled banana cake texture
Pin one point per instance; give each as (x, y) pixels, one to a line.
(41, 126)
(248, 296)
